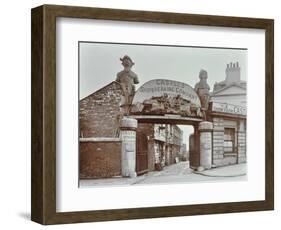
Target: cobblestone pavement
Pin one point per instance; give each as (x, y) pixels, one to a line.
(176, 173)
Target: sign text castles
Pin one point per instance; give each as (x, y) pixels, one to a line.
(168, 86)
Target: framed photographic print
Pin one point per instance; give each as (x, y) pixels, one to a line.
(140, 114)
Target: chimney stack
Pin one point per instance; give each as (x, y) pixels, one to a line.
(232, 73)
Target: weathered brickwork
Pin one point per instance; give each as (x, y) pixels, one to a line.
(100, 159)
(148, 129)
(227, 160)
(194, 148)
(218, 136)
(151, 155)
(100, 112)
(220, 158)
(242, 147)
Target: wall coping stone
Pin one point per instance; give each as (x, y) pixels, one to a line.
(128, 122)
(99, 139)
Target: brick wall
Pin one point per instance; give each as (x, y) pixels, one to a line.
(99, 112)
(100, 159)
(219, 158)
(151, 155)
(241, 147)
(218, 139)
(148, 129)
(194, 148)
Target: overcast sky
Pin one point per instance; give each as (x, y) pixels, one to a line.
(99, 64)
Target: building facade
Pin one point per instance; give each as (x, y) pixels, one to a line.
(232, 90)
(228, 114)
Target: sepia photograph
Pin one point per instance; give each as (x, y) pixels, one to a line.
(160, 114)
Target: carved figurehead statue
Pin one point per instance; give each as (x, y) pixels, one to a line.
(127, 79)
(203, 89)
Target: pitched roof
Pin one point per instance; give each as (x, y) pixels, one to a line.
(111, 83)
(239, 85)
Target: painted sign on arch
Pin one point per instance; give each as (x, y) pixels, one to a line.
(161, 96)
(159, 87)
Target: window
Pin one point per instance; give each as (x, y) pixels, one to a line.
(229, 140)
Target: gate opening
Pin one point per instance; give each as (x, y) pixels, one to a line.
(159, 145)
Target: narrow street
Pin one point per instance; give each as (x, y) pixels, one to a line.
(176, 173)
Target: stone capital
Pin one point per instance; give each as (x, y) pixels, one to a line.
(205, 126)
(128, 123)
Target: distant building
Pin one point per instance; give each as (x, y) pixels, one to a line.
(163, 143)
(232, 90)
(228, 114)
(183, 153)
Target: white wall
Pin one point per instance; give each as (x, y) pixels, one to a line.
(231, 99)
(15, 113)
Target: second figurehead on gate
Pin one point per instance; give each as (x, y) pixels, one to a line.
(202, 88)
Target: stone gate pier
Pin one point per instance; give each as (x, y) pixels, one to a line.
(205, 129)
(128, 129)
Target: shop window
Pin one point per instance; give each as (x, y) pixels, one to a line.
(229, 140)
